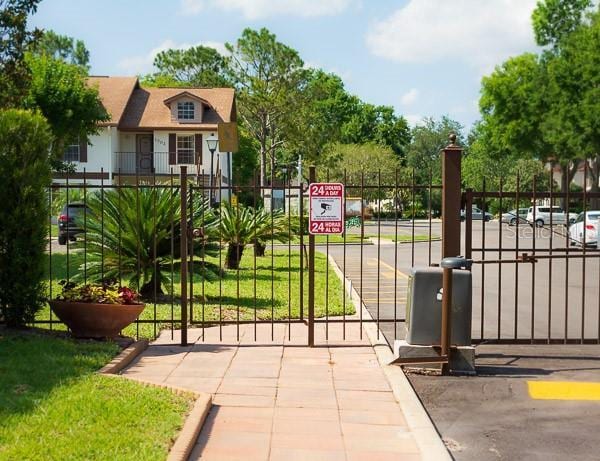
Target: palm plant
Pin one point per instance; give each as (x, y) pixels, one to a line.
(134, 234)
(239, 226)
(276, 226)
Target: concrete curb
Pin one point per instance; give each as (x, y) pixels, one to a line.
(429, 441)
(183, 446)
(186, 439)
(124, 358)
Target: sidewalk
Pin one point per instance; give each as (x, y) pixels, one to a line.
(280, 400)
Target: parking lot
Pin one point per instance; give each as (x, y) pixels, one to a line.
(492, 415)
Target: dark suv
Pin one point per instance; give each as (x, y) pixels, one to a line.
(70, 216)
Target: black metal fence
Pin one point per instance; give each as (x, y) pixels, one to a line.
(239, 255)
(536, 276)
(242, 260)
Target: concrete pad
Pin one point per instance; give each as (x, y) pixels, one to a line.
(278, 399)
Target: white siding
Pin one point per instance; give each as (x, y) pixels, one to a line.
(112, 150)
(98, 153)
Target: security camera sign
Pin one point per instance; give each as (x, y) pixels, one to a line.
(326, 208)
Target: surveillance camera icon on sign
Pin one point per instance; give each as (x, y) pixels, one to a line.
(326, 207)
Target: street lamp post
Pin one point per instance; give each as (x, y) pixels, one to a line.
(212, 143)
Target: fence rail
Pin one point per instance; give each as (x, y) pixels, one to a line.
(531, 284)
(164, 237)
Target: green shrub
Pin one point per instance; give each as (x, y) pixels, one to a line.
(24, 177)
(135, 235)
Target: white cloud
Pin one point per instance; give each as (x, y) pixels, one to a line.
(257, 9)
(134, 65)
(192, 6)
(481, 33)
(410, 97)
(413, 119)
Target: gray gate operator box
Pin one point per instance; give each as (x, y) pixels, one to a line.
(424, 307)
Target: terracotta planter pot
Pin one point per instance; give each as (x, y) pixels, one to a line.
(90, 320)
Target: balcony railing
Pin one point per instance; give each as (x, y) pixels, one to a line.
(142, 164)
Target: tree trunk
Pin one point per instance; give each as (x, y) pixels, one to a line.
(263, 167)
(259, 249)
(567, 173)
(147, 289)
(594, 173)
(234, 256)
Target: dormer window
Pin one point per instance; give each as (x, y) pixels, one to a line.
(185, 110)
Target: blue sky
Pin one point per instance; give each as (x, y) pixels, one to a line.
(424, 57)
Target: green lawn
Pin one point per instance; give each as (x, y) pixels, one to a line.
(355, 238)
(54, 407)
(276, 294)
(408, 238)
(322, 239)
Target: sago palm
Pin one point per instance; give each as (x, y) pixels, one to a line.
(239, 226)
(134, 234)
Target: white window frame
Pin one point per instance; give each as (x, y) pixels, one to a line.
(70, 150)
(185, 109)
(191, 151)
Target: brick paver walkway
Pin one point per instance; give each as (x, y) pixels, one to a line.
(279, 400)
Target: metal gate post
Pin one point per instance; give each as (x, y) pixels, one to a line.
(451, 195)
(184, 253)
(312, 177)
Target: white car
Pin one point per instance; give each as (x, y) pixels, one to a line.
(585, 229)
(542, 216)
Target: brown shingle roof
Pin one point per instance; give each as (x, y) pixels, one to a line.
(147, 108)
(114, 93)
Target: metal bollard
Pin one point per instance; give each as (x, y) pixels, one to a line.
(449, 264)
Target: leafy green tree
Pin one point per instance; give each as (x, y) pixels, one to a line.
(63, 48)
(428, 139)
(244, 166)
(512, 105)
(197, 66)
(60, 92)
(358, 163)
(542, 107)
(269, 77)
(14, 41)
(379, 124)
(554, 20)
(162, 80)
(320, 120)
(134, 235)
(573, 84)
(24, 179)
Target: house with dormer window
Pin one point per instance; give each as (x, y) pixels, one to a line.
(152, 133)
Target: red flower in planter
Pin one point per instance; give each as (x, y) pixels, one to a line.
(127, 295)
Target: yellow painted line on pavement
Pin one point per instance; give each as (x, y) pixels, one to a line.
(373, 262)
(563, 390)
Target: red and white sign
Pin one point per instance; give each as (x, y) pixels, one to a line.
(326, 208)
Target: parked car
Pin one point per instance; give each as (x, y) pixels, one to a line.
(511, 217)
(585, 229)
(542, 217)
(68, 226)
(476, 213)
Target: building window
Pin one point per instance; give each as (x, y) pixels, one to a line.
(185, 110)
(72, 153)
(185, 149)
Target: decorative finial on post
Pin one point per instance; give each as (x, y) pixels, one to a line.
(452, 138)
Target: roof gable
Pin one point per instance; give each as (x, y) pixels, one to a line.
(188, 95)
(148, 108)
(114, 93)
